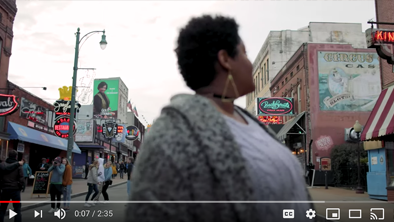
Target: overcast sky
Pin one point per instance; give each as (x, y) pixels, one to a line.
(141, 37)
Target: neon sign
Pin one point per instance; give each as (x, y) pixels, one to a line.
(120, 129)
(383, 41)
(384, 36)
(275, 106)
(61, 126)
(8, 104)
(271, 119)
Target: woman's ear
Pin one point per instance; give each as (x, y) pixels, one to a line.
(223, 59)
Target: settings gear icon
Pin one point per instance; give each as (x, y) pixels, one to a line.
(310, 214)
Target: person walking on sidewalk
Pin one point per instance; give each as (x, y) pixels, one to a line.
(101, 179)
(129, 171)
(86, 170)
(67, 182)
(55, 187)
(26, 173)
(108, 180)
(11, 185)
(114, 171)
(121, 169)
(92, 183)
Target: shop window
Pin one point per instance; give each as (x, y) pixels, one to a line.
(1, 48)
(299, 98)
(268, 71)
(265, 73)
(390, 161)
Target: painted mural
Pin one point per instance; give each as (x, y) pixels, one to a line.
(348, 81)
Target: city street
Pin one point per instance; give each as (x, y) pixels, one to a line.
(100, 212)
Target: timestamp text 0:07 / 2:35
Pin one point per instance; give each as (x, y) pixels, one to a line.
(93, 213)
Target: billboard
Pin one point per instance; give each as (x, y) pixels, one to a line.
(84, 131)
(105, 100)
(275, 106)
(348, 81)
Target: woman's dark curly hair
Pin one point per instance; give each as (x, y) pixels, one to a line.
(198, 45)
(101, 85)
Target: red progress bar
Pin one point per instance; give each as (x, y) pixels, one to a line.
(10, 201)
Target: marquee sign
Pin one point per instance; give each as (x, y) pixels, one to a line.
(275, 106)
(133, 133)
(8, 104)
(63, 107)
(110, 130)
(62, 126)
(383, 41)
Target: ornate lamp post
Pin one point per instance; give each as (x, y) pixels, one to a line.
(103, 45)
(357, 129)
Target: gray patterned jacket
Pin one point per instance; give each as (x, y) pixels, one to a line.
(190, 154)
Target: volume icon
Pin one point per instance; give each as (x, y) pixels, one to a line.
(61, 214)
(36, 213)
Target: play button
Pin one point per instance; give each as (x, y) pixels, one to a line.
(11, 214)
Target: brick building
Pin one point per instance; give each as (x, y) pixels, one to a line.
(30, 129)
(7, 15)
(378, 130)
(333, 85)
(279, 47)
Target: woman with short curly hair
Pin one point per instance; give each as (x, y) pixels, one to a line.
(205, 148)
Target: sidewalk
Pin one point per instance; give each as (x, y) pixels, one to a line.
(346, 199)
(79, 187)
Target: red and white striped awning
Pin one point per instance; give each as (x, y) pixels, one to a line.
(381, 119)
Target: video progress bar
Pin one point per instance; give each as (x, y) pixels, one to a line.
(207, 202)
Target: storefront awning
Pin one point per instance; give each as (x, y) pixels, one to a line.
(92, 146)
(287, 127)
(380, 121)
(19, 132)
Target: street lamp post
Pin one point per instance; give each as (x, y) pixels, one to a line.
(103, 44)
(357, 128)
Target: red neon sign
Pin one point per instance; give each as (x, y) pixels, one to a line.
(8, 104)
(61, 127)
(384, 36)
(120, 129)
(271, 119)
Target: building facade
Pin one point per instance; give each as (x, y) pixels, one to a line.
(7, 15)
(30, 130)
(377, 133)
(333, 85)
(138, 142)
(280, 46)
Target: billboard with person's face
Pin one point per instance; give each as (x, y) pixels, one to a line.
(105, 100)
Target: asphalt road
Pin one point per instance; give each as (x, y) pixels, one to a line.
(79, 213)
